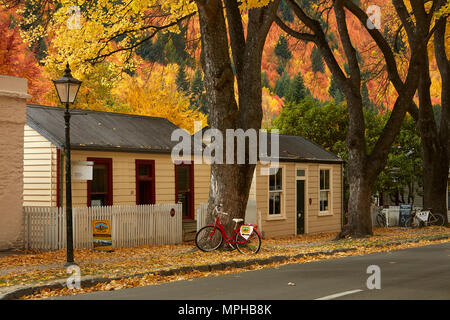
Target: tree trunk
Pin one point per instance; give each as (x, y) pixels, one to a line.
(435, 173)
(230, 183)
(359, 220)
(434, 142)
(360, 183)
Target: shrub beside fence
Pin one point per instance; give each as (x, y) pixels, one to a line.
(45, 227)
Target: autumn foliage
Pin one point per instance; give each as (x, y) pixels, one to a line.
(17, 60)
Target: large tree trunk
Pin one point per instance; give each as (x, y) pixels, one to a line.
(434, 142)
(359, 223)
(230, 183)
(363, 168)
(359, 220)
(438, 196)
(435, 169)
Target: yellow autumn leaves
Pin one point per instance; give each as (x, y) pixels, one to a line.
(153, 92)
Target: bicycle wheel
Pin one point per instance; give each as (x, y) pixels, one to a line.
(252, 245)
(436, 219)
(208, 239)
(408, 222)
(381, 220)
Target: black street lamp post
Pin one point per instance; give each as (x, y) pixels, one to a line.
(67, 88)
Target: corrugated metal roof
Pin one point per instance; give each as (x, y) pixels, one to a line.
(300, 149)
(96, 130)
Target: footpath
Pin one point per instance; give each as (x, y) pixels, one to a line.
(32, 274)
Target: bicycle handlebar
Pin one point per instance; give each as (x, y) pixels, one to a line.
(221, 212)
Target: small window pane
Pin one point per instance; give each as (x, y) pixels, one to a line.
(100, 178)
(321, 180)
(279, 181)
(300, 173)
(275, 203)
(324, 179)
(272, 182)
(143, 170)
(324, 200)
(182, 178)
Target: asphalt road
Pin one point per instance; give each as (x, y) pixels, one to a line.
(416, 273)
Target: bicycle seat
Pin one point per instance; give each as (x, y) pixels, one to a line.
(238, 220)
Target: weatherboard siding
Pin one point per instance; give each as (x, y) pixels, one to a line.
(40, 185)
(124, 176)
(39, 170)
(201, 185)
(286, 224)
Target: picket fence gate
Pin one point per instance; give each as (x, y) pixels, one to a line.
(45, 227)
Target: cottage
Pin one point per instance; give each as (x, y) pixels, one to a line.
(131, 158)
(305, 195)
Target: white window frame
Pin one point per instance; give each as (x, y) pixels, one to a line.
(328, 212)
(282, 214)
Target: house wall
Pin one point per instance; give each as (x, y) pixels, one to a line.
(13, 95)
(286, 224)
(201, 184)
(39, 176)
(124, 178)
(40, 185)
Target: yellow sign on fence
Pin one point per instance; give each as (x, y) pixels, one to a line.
(101, 230)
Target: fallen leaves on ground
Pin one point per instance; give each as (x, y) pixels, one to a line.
(40, 267)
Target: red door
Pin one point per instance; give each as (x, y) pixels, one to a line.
(100, 188)
(145, 182)
(184, 189)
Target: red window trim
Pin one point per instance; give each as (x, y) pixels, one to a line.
(108, 162)
(191, 193)
(152, 178)
(58, 177)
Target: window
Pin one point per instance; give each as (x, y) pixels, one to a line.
(325, 190)
(276, 192)
(100, 187)
(300, 173)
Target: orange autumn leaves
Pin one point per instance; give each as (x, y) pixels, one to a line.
(155, 278)
(17, 60)
(41, 267)
(153, 92)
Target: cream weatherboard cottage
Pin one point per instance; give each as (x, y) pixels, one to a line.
(131, 158)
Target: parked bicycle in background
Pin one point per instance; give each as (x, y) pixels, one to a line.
(422, 218)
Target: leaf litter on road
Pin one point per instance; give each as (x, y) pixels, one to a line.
(30, 267)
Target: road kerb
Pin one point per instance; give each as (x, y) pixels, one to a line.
(90, 281)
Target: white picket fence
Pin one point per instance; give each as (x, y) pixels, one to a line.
(201, 215)
(45, 227)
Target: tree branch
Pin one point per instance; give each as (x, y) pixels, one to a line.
(308, 37)
(236, 33)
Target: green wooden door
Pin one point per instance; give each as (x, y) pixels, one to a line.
(300, 206)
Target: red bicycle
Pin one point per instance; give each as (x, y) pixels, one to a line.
(245, 238)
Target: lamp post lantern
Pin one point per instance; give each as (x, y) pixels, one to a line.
(67, 88)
